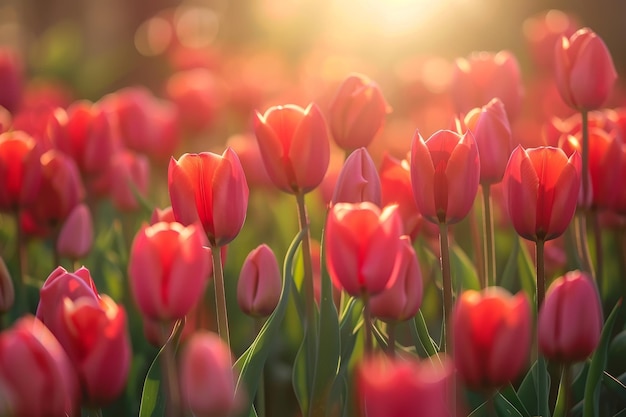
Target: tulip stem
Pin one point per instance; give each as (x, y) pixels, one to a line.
(564, 396)
(585, 156)
(489, 279)
(260, 392)
(367, 323)
(21, 299)
(220, 295)
(170, 374)
(541, 273)
(309, 296)
(447, 281)
(597, 235)
(581, 217)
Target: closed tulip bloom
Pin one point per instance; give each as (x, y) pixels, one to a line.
(210, 189)
(492, 335)
(584, 70)
(7, 291)
(206, 376)
(169, 268)
(361, 244)
(605, 160)
(492, 134)
(36, 376)
(570, 319)
(76, 235)
(401, 301)
(20, 170)
(11, 78)
(358, 180)
(260, 284)
(445, 171)
(541, 188)
(294, 146)
(357, 112)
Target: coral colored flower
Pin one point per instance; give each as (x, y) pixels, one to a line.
(206, 376)
(357, 112)
(400, 388)
(492, 134)
(36, 376)
(491, 335)
(541, 188)
(260, 284)
(358, 180)
(361, 244)
(76, 235)
(445, 171)
(402, 300)
(584, 70)
(169, 268)
(294, 145)
(210, 189)
(484, 76)
(20, 170)
(570, 319)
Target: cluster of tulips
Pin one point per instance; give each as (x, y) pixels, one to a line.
(367, 342)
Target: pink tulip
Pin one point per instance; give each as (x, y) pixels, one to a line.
(260, 284)
(358, 180)
(11, 78)
(76, 235)
(130, 176)
(162, 215)
(20, 170)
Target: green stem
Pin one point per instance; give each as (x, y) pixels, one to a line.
(585, 156)
(491, 404)
(391, 339)
(477, 245)
(260, 393)
(563, 399)
(367, 323)
(447, 282)
(309, 296)
(580, 225)
(170, 374)
(541, 273)
(489, 249)
(597, 235)
(220, 295)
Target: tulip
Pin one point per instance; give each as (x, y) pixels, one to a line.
(76, 235)
(11, 78)
(492, 335)
(484, 76)
(7, 292)
(358, 180)
(36, 376)
(294, 146)
(492, 133)
(249, 154)
(395, 181)
(619, 203)
(130, 174)
(401, 388)
(210, 189)
(357, 112)
(169, 268)
(584, 70)
(361, 241)
(206, 376)
(260, 284)
(195, 94)
(20, 170)
(570, 320)
(541, 186)
(401, 301)
(162, 215)
(445, 171)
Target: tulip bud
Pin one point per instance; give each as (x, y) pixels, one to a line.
(76, 235)
(20, 170)
(169, 268)
(584, 70)
(361, 243)
(7, 291)
(445, 171)
(294, 146)
(357, 112)
(402, 300)
(210, 189)
(570, 319)
(260, 284)
(492, 335)
(358, 180)
(206, 376)
(11, 78)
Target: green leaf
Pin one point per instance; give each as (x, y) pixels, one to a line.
(598, 364)
(421, 336)
(508, 279)
(505, 408)
(527, 273)
(348, 331)
(464, 274)
(152, 399)
(252, 361)
(527, 391)
(614, 384)
(509, 394)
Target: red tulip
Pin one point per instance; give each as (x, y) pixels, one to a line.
(570, 319)
(402, 300)
(294, 146)
(492, 134)
(357, 112)
(76, 235)
(260, 284)
(162, 215)
(358, 180)
(36, 376)
(541, 187)
(361, 243)
(169, 268)
(492, 335)
(584, 70)
(445, 171)
(11, 78)
(20, 170)
(210, 189)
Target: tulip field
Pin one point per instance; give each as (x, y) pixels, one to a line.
(241, 232)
